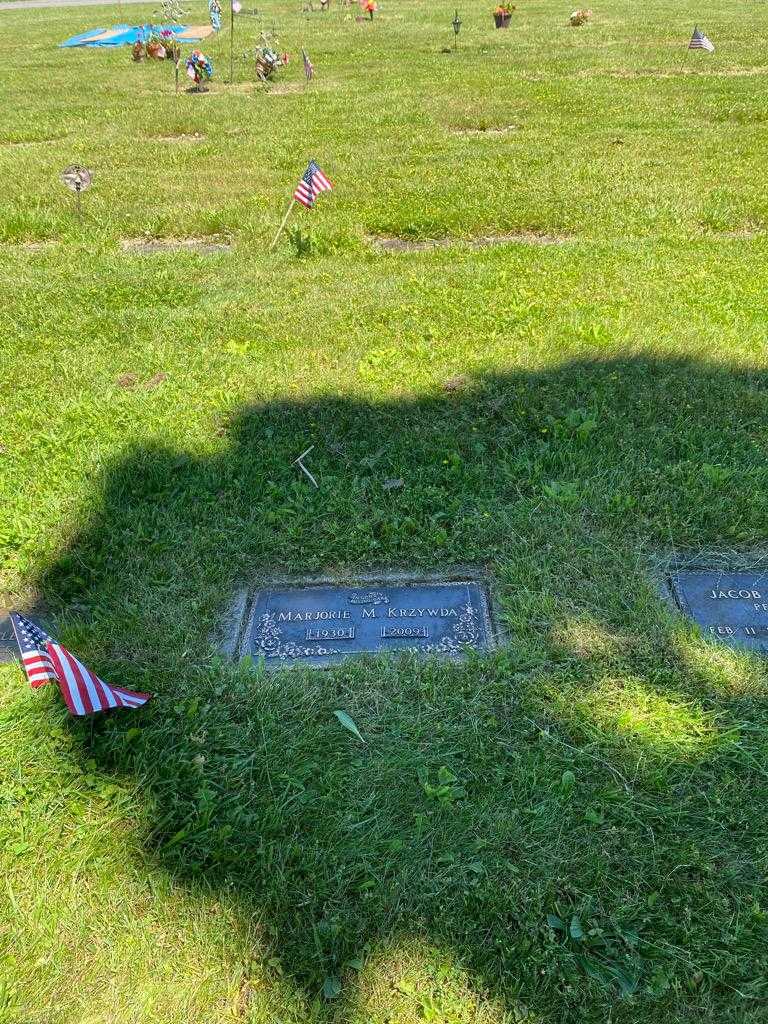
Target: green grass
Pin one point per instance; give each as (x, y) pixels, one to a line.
(599, 851)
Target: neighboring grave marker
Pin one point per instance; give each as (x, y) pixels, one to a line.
(324, 623)
(730, 606)
(37, 611)
(8, 648)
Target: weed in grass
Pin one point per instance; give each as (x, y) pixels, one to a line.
(302, 242)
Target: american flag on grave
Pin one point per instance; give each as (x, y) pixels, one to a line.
(309, 68)
(700, 42)
(311, 184)
(45, 660)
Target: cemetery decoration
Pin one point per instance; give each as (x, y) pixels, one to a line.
(235, 8)
(129, 35)
(370, 7)
(171, 11)
(310, 185)
(456, 23)
(700, 42)
(45, 660)
(730, 606)
(173, 52)
(78, 180)
(161, 44)
(502, 14)
(579, 17)
(325, 623)
(268, 59)
(309, 67)
(232, 13)
(214, 13)
(200, 69)
(138, 52)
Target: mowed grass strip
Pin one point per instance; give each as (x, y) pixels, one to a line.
(570, 829)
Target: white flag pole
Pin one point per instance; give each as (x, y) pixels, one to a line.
(282, 226)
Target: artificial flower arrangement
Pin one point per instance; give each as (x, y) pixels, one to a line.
(502, 14)
(171, 45)
(199, 69)
(579, 17)
(160, 44)
(268, 59)
(370, 7)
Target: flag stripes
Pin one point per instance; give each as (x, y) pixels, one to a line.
(45, 660)
(311, 184)
(700, 42)
(83, 692)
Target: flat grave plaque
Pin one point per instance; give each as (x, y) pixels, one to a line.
(9, 651)
(324, 624)
(731, 606)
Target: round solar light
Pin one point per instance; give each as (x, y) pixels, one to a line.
(77, 179)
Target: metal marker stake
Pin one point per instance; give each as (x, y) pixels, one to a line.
(231, 41)
(303, 468)
(77, 179)
(456, 28)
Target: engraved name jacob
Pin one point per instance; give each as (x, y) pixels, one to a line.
(741, 594)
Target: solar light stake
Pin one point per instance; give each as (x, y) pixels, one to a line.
(176, 58)
(456, 28)
(77, 179)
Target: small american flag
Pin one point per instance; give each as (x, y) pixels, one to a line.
(45, 660)
(312, 183)
(700, 42)
(309, 70)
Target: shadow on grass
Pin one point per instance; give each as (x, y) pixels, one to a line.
(630, 801)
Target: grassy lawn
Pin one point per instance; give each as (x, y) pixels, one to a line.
(230, 853)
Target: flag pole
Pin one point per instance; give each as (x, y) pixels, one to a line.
(282, 226)
(231, 41)
(687, 51)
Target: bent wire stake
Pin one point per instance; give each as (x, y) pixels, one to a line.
(303, 468)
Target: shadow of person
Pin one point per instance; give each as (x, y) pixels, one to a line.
(453, 821)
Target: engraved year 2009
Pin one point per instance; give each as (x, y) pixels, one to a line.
(404, 632)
